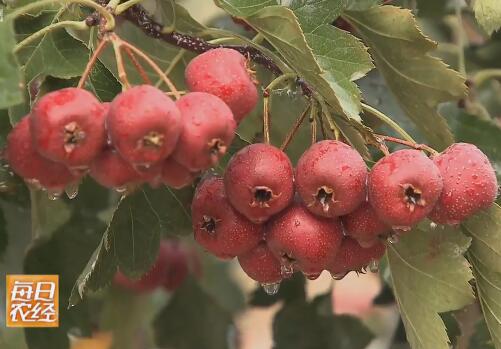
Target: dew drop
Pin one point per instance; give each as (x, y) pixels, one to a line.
(54, 194)
(393, 239)
(286, 270)
(374, 266)
(433, 225)
(338, 276)
(72, 190)
(121, 189)
(271, 289)
(312, 276)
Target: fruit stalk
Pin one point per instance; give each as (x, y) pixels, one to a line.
(294, 129)
(92, 61)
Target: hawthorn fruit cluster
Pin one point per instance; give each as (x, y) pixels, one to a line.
(142, 136)
(330, 212)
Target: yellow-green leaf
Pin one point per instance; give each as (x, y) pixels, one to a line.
(402, 54)
(429, 276)
(488, 14)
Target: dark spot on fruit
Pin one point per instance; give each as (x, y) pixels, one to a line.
(209, 224)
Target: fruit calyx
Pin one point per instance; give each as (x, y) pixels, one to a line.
(263, 196)
(73, 135)
(151, 140)
(413, 197)
(209, 224)
(217, 148)
(324, 196)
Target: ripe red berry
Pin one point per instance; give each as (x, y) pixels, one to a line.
(259, 181)
(331, 178)
(364, 225)
(34, 168)
(208, 130)
(261, 265)
(152, 279)
(110, 170)
(175, 175)
(144, 125)
(217, 226)
(304, 241)
(177, 269)
(68, 126)
(470, 183)
(404, 187)
(224, 73)
(353, 257)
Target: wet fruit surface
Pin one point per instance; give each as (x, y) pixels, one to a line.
(403, 188)
(34, 168)
(331, 178)
(353, 257)
(208, 130)
(110, 170)
(144, 125)
(470, 183)
(217, 226)
(175, 175)
(364, 225)
(68, 126)
(259, 181)
(224, 73)
(261, 265)
(303, 240)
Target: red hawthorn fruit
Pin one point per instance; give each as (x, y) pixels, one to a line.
(67, 126)
(404, 187)
(353, 257)
(175, 175)
(208, 130)
(331, 178)
(224, 73)
(470, 183)
(217, 226)
(152, 279)
(29, 164)
(261, 265)
(259, 181)
(364, 225)
(304, 241)
(144, 125)
(110, 170)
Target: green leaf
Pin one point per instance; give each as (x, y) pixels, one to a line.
(178, 18)
(4, 239)
(361, 5)
(419, 81)
(193, 320)
(103, 83)
(58, 54)
(481, 338)
(485, 230)
(488, 14)
(302, 325)
(484, 256)
(132, 237)
(242, 8)
(134, 232)
(488, 284)
(429, 276)
(313, 13)
(327, 58)
(10, 72)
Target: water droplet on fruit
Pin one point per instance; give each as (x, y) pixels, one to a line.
(433, 225)
(338, 276)
(393, 239)
(54, 194)
(312, 276)
(271, 289)
(374, 266)
(72, 190)
(286, 270)
(121, 189)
